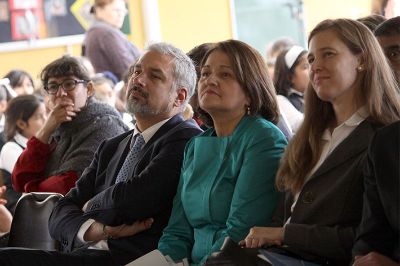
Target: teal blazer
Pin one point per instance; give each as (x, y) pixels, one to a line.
(227, 186)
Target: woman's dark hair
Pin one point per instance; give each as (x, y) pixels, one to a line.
(283, 74)
(64, 67)
(251, 73)
(372, 21)
(20, 107)
(197, 54)
(16, 77)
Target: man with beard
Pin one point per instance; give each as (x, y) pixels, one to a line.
(120, 205)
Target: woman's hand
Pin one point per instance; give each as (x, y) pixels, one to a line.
(62, 112)
(259, 236)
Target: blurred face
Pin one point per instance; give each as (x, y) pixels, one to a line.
(113, 13)
(219, 90)
(300, 77)
(78, 96)
(105, 93)
(26, 87)
(34, 123)
(150, 89)
(333, 68)
(391, 47)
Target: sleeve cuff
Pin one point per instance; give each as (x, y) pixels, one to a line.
(294, 235)
(82, 230)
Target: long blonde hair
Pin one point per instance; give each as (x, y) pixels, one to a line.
(378, 92)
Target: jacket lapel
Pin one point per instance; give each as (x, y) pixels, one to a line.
(355, 143)
(164, 129)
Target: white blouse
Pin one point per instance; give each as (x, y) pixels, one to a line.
(11, 151)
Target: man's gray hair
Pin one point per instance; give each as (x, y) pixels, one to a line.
(184, 71)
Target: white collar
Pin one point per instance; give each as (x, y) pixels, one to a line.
(149, 132)
(21, 140)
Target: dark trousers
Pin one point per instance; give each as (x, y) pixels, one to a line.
(23, 256)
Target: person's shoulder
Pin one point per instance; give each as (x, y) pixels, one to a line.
(387, 136)
(99, 31)
(104, 113)
(10, 146)
(178, 125)
(390, 129)
(263, 127)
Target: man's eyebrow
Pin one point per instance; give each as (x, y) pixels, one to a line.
(393, 47)
(157, 70)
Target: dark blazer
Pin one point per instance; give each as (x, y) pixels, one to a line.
(380, 225)
(328, 210)
(149, 193)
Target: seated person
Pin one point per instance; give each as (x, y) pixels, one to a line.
(3, 107)
(388, 35)
(104, 89)
(352, 93)
(227, 179)
(25, 115)
(132, 180)
(20, 81)
(378, 239)
(291, 75)
(59, 152)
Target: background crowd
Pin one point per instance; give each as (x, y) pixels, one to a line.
(297, 154)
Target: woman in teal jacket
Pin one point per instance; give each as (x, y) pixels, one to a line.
(227, 179)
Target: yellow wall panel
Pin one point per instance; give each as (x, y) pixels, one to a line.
(136, 19)
(318, 10)
(187, 23)
(32, 61)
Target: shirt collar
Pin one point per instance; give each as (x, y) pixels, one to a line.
(293, 91)
(149, 132)
(357, 118)
(21, 140)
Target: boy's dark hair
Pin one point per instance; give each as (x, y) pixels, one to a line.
(388, 28)
(64, 66)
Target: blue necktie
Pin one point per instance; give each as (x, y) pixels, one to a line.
(131, 159)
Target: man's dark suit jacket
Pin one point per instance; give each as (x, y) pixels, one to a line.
(148, 194)
(323, 223)
(380, 226)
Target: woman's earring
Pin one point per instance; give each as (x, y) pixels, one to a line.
(360, 68)
(248, 109)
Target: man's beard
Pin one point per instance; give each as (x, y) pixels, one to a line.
(135, 107)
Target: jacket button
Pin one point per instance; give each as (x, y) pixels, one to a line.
(308, 197)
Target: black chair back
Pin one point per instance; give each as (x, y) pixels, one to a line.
(29, 228)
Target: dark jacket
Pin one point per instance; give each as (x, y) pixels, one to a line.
(380, 225)
(149, 193)
(328, 210)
